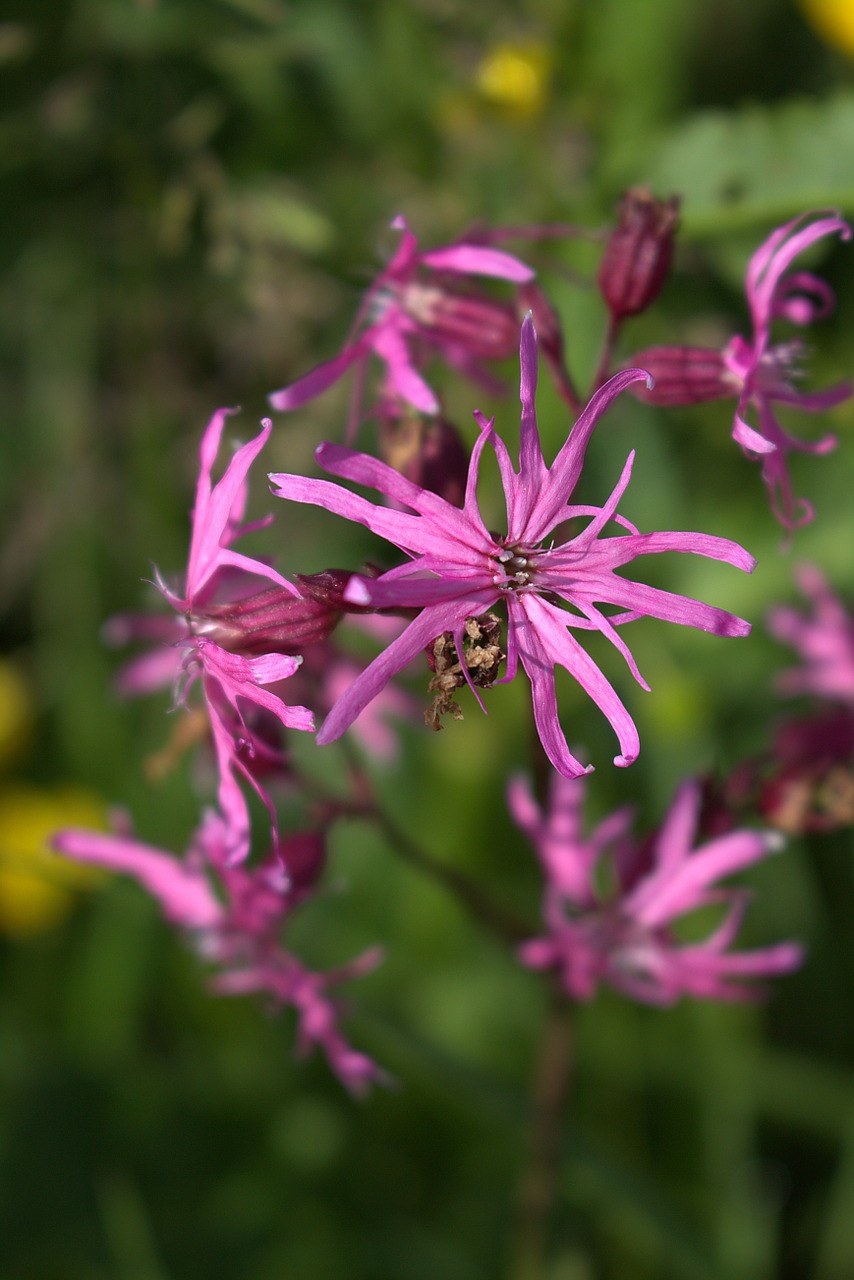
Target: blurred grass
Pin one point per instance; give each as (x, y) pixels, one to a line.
(192, 196)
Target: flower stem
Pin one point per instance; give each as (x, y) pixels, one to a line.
(539, 1181)
(505, 924)
(494, 917)
(604, 368)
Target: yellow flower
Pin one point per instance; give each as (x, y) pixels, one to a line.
(515, 77)
(833, 20)
(37, 886)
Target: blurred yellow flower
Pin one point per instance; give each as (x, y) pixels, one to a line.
(16, 711)
(515, 77)
(37, 886)
(833, 20)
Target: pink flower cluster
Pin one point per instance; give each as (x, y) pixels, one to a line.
(459, 569)
(475, 596)
(824, 640)
(761, 374)
(234, 915)
(627, 937)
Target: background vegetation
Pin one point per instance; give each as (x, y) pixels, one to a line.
(192, 195)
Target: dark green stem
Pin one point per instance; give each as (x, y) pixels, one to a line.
(539, 1182)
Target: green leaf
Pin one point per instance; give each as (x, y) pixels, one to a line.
(737, 170)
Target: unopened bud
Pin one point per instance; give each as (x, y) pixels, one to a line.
(683, 375)
(637, 255)
(327, 588)
(303, 858)
(428, 451)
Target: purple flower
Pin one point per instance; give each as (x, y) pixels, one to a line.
(625, 938)
(458, 568)
(824, 640)
(235, 916)
(415, 305)
(762, 374)
(232, 683)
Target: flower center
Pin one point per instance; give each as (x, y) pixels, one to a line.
(515, 568)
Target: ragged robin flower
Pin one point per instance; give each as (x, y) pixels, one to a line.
(550, 583)
(824, 639)
(424, 301)
(626, 937)
(762, 374)
(206, 647)
(235, 915)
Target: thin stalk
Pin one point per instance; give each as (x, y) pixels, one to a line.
(503, 923)
(539, 1181)
(603, 371)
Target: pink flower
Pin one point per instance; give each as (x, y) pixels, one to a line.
(824, 640)
(231, 682)
(458, 569)
(764, 374)
(415, 305)
(235, 916)
(625, 938)
(759, 372)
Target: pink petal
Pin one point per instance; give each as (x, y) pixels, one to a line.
(431, 622)
(184, 894)
(242, 678)
(322, 376)
(677, 889)
(404, 380)
(549, 506)
(531, 463)
(544, 642)
(748, 438)
(415, 534)
(476, 260)
(676, 835)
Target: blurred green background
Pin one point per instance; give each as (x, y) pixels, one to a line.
(192, 195)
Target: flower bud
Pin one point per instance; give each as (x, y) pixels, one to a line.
(303, 858)
(637, 255)
(428, 451)
(683, 375)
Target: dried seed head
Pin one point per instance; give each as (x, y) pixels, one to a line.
(483, 656)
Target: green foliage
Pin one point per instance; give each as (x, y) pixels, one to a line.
(192, 195)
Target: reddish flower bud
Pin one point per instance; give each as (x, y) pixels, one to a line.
(428, 451)
(637, 255)
(303, 858)
(683, 375)
(327, 588)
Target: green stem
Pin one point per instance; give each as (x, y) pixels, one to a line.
(539, 1181)
(503, 923)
